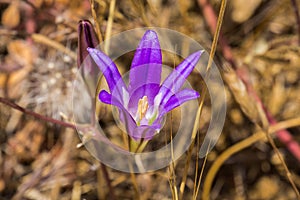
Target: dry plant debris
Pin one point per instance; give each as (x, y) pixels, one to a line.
(38, 44)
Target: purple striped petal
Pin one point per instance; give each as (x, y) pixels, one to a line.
(149, 90)
(175, 80)
(147, 62)
(110, 72)
(107, 98)
(179, 98)
(136, 132)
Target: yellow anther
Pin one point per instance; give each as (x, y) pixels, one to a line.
(142, 107)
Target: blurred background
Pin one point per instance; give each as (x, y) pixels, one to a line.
(258, 56)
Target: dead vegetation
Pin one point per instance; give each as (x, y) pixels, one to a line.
(258, 55)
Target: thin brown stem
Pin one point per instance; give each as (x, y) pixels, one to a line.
(36, 115)
(58, 122)
(108, 181)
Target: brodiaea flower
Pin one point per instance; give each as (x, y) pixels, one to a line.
(144, 103)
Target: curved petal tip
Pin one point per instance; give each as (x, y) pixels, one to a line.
(150, 35)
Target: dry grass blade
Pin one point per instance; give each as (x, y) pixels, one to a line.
(97, 21)
(51, 43)
(240, 146)
(172, 176)
(109, 25)
(203, 94)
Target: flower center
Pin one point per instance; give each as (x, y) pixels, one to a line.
(143, 106)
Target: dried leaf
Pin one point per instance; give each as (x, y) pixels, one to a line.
(22, 52)
(242, 11)
(11, 16)
(27, 142)
(23, 55)
(277, 99)
(241, 95)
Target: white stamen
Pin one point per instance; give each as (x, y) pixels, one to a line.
(142, 107)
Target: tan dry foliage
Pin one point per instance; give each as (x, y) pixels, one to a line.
(11, 16)
(242, 10)
(20, 53)
(241, 95)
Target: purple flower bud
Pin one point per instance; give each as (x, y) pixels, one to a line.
(86, 38)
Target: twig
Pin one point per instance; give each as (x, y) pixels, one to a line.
(36, 115)
(30, 4)
(240, 146)
(58, 122)
(108, 181)
(297, 15)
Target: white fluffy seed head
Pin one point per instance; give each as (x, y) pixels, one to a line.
(48, 88)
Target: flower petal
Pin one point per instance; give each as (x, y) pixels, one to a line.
(145, 132)
(110, 72)
(136, 132)
(178, 99)
(147, 62)
(149, 90)
(175, 80)
(105, 97)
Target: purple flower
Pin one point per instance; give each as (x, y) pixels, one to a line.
(143, 104)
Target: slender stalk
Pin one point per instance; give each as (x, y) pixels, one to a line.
(112, 6)
(197, 165)
(203, 93)
(98, 31)
(135, 185)
(36, 115)
(211, 21)
(108, 181)
(201, 174)
(172, 179)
